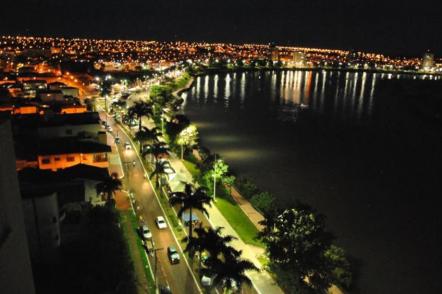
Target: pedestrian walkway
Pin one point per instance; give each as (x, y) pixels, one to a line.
(261, 280)
(255, 216)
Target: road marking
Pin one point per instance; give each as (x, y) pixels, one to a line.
(164, 213)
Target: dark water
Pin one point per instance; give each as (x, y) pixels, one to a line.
(364, 149)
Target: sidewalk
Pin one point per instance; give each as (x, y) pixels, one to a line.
(115, 165)
(255, 216)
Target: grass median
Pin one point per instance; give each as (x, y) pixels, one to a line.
(129, 225)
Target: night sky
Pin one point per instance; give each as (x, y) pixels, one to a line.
(388, 26)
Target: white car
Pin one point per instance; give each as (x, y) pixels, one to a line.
(161, 222)
(147, 234)
(206, 281)
(167, 167)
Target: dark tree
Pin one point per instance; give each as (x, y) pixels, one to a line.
(190, 199)
(146, 134)
(156, 150)
(108, 186)
(139, 110)
(159, 172)
(298, 243)
(229, 271)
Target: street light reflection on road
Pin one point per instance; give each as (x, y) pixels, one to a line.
(129, 153)
(145, 185)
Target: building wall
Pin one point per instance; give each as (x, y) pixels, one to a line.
(61, 161)
(427, 61)
(15, 266)
(25, 110)
(73, 109)
(71, 91)
(68, 130)
(42, 225)
(90, 193)
(48, 97)
(21, 164)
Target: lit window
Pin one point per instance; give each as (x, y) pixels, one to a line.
(100, 157)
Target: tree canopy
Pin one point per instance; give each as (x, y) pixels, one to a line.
(298, 243)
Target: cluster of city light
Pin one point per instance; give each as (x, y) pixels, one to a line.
(139, 55)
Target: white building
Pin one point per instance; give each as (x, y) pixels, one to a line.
(15, 265)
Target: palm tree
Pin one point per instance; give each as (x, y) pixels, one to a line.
(229, 271)
(160, 171)
(118, 104)
(146, 134)
(269, 221)
(108, 186)
(210, 240)
(190, 199)
(138, 110)
(156, 150)
(178, 123)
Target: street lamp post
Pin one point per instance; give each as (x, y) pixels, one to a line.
(219, 169)
(155, 250)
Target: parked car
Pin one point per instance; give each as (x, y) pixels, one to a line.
(149, 246)
(186, 218)
(145, 232)
(165, 290)
(206, 281)
(161, 222)
(167, 166)
(117, 140)
(173, 255)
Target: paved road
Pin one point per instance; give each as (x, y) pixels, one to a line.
(178, 276)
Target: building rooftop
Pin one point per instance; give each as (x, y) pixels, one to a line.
(50, 92)
(79, 171)
(36, 121)
(70, 145)
(57, 84)
(37, 183)
(34, 82)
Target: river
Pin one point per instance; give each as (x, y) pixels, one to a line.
(351, 145)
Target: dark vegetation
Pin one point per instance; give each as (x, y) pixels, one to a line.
(93, 257)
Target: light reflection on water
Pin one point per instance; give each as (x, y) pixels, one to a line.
(345, 96)
(341, 97)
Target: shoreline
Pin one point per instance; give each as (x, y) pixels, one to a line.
(243, 203)
(187, 87)
(254, 215)
(313, 69)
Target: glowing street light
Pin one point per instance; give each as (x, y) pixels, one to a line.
(219, 169)
(187, 137)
